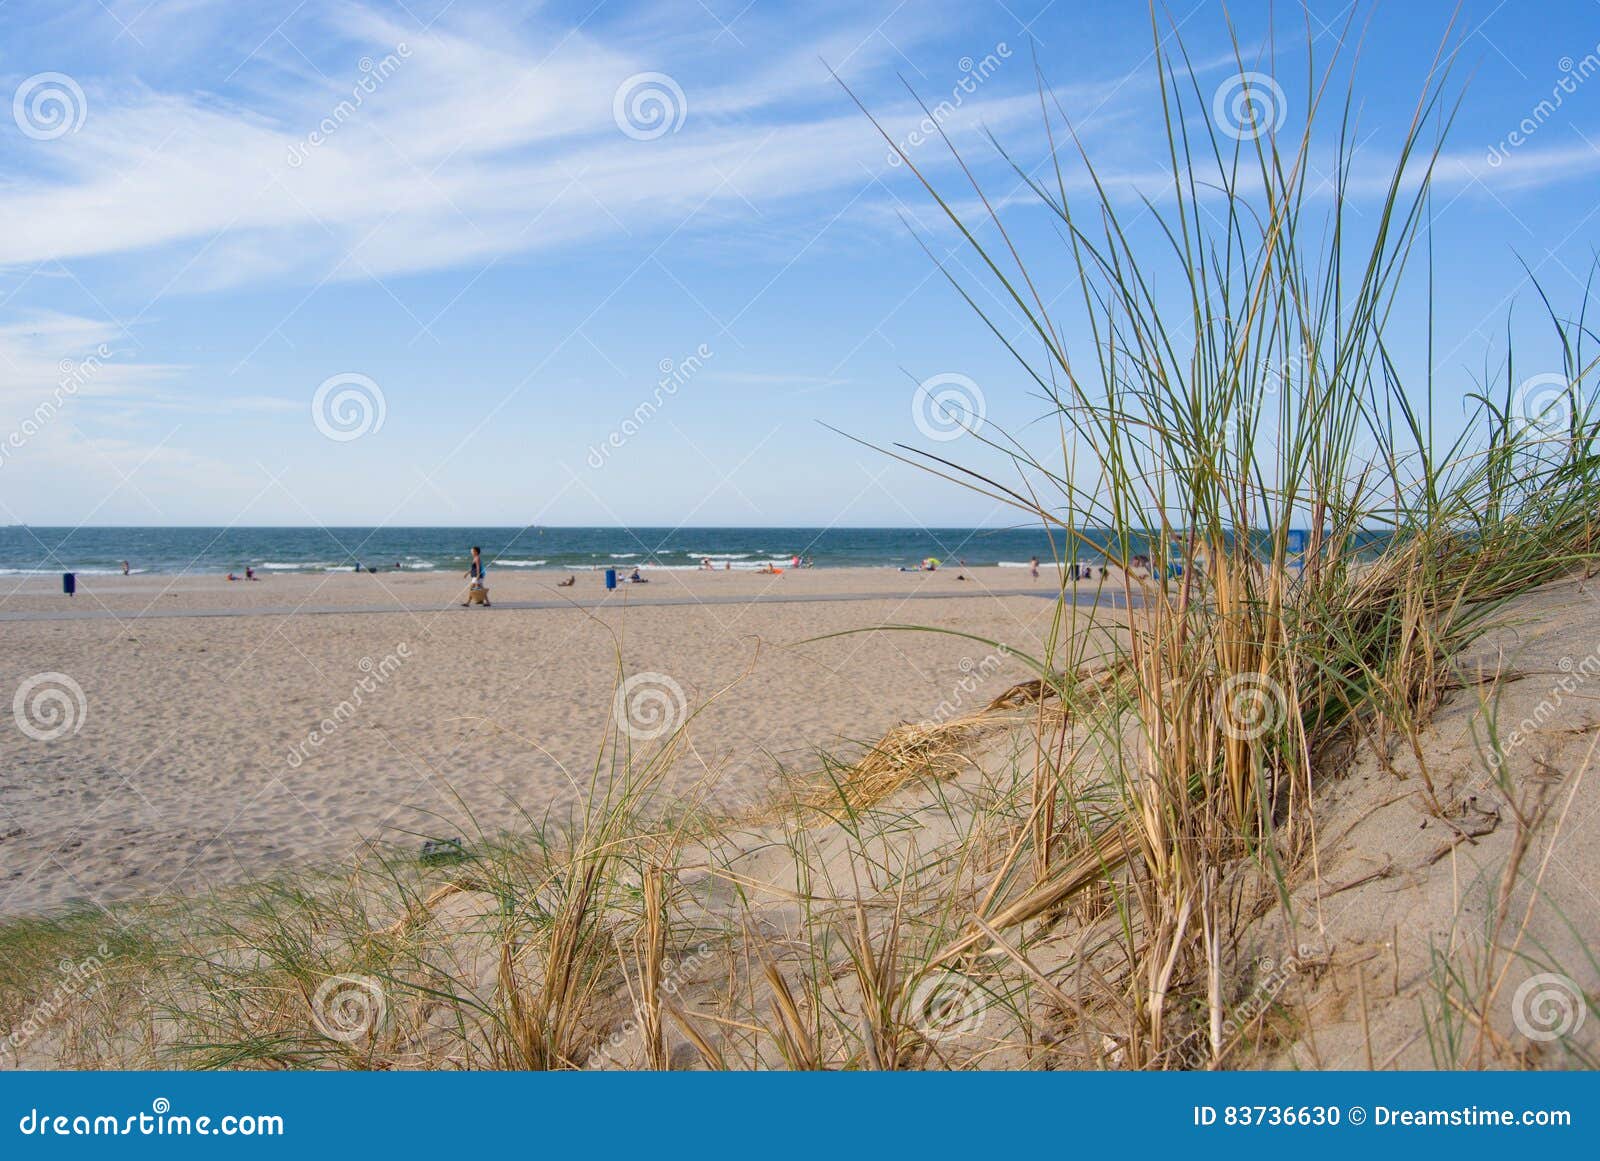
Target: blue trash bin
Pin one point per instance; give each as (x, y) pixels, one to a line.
(611, 578)
(69, 583)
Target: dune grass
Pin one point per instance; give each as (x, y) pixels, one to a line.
(1062, 877)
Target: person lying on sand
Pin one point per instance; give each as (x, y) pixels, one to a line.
(568, 583)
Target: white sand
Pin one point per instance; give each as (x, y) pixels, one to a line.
(180, 771)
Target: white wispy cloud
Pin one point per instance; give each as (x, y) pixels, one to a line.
(451, 146)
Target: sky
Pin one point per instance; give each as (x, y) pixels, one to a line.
(456, 263)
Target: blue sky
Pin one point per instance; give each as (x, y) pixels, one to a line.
(498, 222)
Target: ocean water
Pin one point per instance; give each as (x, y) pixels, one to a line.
(26, 550)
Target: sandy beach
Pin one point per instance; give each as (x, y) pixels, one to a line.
(198, 754)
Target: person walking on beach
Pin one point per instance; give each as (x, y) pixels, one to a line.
(479, 575)
(1033, 566)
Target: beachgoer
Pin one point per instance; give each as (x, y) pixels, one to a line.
(479, 575)
(705, 562)
(232, 577)
(249, 573)
(568, 583)
(1033, 566)
(124, 568)
(637, 579)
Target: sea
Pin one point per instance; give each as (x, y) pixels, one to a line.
(29, 550)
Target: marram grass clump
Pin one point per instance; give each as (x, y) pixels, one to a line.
(1067, 877)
